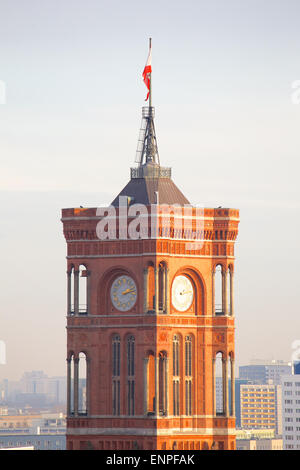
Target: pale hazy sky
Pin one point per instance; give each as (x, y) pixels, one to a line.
(222, 85)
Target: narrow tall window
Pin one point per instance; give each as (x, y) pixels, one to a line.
(188, 356)
(82, 384)
(130, 356)
(116, 359)
(82, 290)
(162, 286)
(218, 291)
(176, 411)
(151, 399)
(116, 397)
(218, 384)
(71, 292)
(188, 375)
(130, 397)
(163, 381)
(175, 356)
(71, 384)
(188, 397)
(130, 375)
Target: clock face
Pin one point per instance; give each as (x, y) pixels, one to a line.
(182, 293)
(123, 293)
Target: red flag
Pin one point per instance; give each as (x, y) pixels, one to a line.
(147, 71)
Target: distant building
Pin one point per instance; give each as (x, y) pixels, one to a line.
(261, 407)
(291, 412)
(39, 432)
(219, 397)
(34, 389)
(263, 371)
(296, 366)
(33, 442)
(259, 444)
(53, 388)
(238, 383)
(246, 444)
(255, 434)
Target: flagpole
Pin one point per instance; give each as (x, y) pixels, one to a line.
(150, 84)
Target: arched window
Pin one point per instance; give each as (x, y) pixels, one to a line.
(71, 280)
(116, 369)
(77, 384)
(82, 289)
(70, 374)
(188, 356)
(82, 384)
(163, 381)
(130, 356)
(221, 384)
(218, 384)
(130, 375)
(116, 356)
(78, 290)
(175, 356)
(156, 288)
(151, 288)
(176, 381)
(149, 383)
(218, 288)
(188, 375)
(162, 287)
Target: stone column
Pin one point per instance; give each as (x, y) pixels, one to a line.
(157, 386)
(76, 292)
(88, 291)
(213, 275)
(156, 309)
(231, 294)
(224, 291)
(164, 290)
(88, 384)
(76, 384)
(232, 377)
(163, 384)
(69, 292)
(167, 290)
(225, 385)
(214, 386)
(69, 386)
(146, 270)
(145, 371)
(166, 386)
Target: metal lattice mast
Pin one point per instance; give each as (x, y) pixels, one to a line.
(147, 150)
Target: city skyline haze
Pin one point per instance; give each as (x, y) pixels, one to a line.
(224, 78)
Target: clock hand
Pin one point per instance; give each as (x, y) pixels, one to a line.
(186, 292)
(128, 291)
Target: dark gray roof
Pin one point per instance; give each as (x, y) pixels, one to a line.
(143, 191)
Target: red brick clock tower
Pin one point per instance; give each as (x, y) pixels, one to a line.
(150, 316)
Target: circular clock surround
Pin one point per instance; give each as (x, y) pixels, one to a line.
(123, 293)
(182, 293)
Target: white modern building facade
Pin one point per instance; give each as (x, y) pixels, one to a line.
(291, 412)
